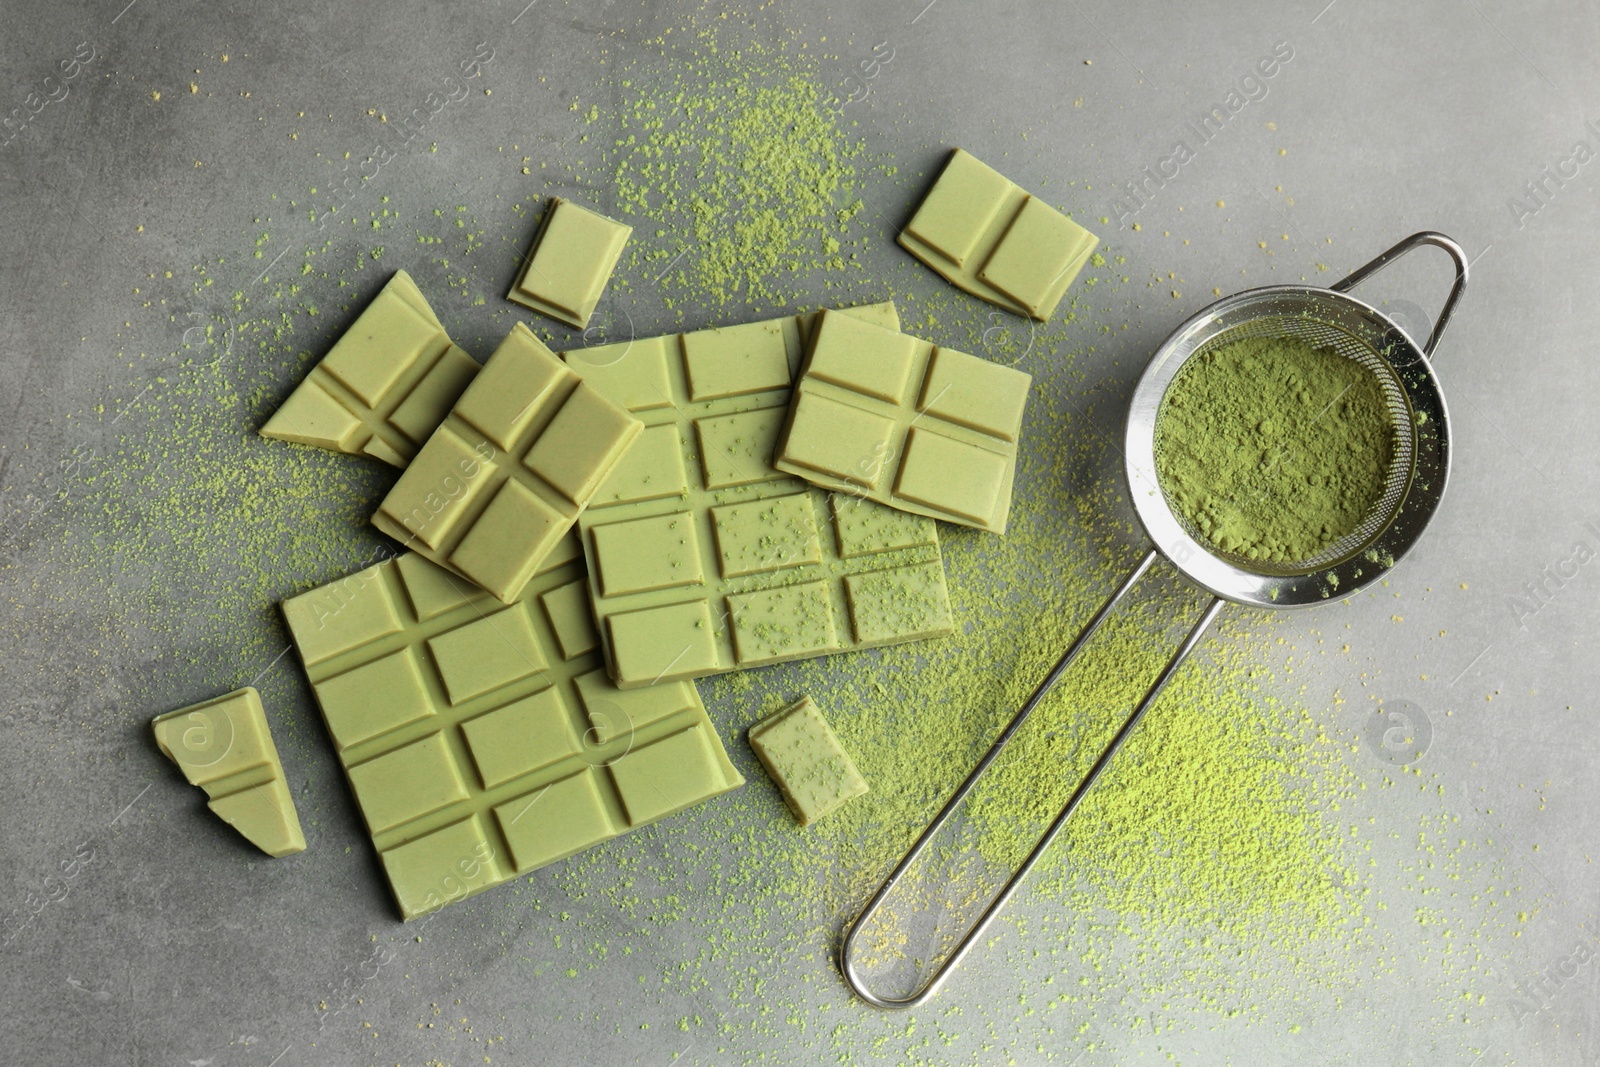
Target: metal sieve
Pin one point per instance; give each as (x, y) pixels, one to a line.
(1418, 469)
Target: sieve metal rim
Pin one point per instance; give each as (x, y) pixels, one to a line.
(1430, 449)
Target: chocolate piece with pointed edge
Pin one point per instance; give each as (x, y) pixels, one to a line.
(225, 747)
(384, 386)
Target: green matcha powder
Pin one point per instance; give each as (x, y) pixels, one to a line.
(1273, 449)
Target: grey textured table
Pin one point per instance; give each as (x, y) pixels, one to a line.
(139, 574)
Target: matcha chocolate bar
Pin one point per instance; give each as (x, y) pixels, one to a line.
(224, 746)
(801, 753)
(570, 263)
(895, 419)
(501, 481)
(482, 741)
(983, 233)
(703, 557)
(384, 385)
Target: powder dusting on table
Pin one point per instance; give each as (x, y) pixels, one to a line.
(736, 176)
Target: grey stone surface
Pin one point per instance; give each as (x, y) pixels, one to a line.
(169, 941)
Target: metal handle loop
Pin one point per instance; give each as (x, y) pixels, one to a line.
(1426, 237)
(847, 950)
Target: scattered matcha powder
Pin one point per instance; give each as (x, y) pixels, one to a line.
(734, 164)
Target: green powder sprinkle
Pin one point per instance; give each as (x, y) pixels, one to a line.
(747, 182)
(1272, 448)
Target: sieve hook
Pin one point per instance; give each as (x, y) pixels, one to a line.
(847, 951)
(1426, 237)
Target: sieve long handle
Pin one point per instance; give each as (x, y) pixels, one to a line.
(1426, 237)
(847, 951)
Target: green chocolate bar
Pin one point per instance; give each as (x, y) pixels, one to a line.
(906, 423)
(501, 481)
(983, 233)
(384, 386)
(812, 770)
(573, 255)
(705, 558)
(483, 741)
(224, 746)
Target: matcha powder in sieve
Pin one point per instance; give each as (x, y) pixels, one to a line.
(1272, 448)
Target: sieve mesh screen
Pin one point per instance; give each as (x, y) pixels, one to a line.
(1342, 342)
